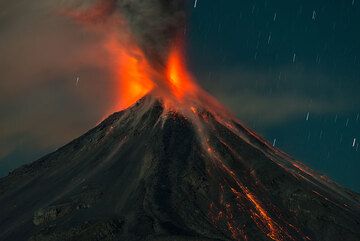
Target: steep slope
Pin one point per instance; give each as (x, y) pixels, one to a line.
(148, 173)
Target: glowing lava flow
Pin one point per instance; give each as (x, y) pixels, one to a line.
(272, 229)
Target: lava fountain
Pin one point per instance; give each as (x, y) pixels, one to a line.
(132, 72)
(136, 76)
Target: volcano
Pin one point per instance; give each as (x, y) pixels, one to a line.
(174, 164)
(152, 173)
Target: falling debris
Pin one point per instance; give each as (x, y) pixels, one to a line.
(314, 15)
(269, 39)
(309, 136)
(195, 3)
(354, 142)
(275, 16)
(77, 80)
(294, 57)
(307, 116)
(274, 142)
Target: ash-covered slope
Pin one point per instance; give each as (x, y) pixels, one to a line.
(150, 174)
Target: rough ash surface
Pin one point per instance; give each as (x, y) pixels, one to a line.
(145, 175)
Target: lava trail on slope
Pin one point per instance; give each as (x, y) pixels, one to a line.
(150, 173)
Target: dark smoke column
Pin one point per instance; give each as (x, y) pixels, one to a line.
(156, 24)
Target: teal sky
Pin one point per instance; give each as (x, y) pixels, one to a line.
(290, 70)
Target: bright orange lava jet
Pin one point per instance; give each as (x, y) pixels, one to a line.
(180, 80)
(132, 72)
(136, 77)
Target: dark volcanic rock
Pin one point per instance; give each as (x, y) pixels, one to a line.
(144, 174)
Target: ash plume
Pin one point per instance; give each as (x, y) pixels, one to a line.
(155, 24)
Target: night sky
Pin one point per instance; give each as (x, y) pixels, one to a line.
(291, 71)
(288, 69)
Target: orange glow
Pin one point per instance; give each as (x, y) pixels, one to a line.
(180, 80)
(136, 74)
(135, 77)
(132, 73)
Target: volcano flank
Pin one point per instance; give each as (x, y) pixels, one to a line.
(153, 173)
